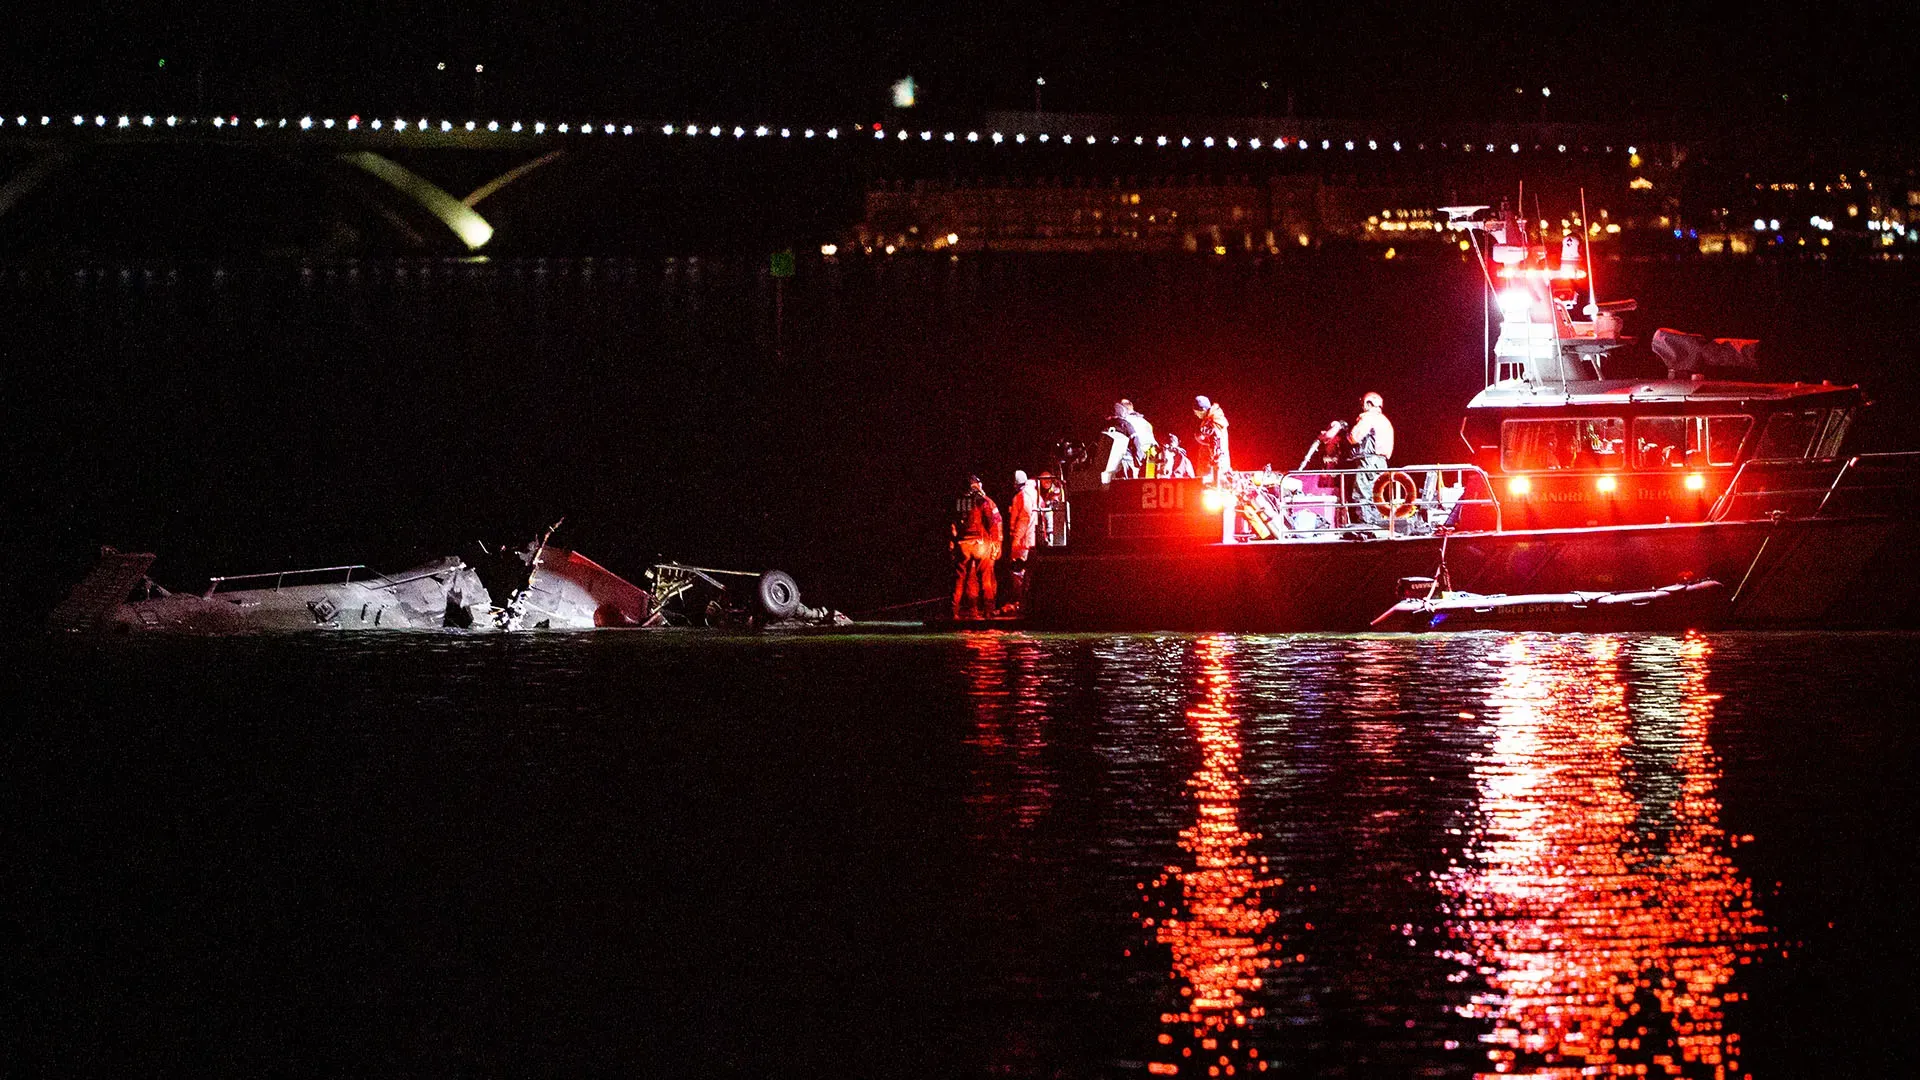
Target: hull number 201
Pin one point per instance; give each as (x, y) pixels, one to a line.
(1168, 496)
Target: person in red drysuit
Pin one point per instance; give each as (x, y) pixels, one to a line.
(1213, 438)
(976, 545)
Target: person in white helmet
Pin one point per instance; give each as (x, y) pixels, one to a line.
(1022, 526)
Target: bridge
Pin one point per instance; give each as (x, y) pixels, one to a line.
(89, 183)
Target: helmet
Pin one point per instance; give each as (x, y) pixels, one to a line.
(1019, 476)
(1201, 404)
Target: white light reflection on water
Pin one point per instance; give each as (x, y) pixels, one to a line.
(1596, 900)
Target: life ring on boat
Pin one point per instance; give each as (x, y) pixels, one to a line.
(1396, 495)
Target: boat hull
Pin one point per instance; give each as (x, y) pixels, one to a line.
(1820, 573)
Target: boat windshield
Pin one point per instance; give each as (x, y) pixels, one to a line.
(1794, 434)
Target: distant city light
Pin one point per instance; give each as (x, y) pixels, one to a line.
(904, 93)
(829, 250)
(953, 238)
(1546, 91)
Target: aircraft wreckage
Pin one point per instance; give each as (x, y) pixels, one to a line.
(538, 587)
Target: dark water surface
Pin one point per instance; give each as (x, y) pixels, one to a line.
(681, 855)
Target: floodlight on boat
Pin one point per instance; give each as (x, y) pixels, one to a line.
(1606, 484)
(1519, 485)
(1696, 482)
(1214, 500)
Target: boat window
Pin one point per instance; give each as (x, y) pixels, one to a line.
(1836, 433)
(1688, 442)
(1724, 436)
(1790, 434)
(1538, 445)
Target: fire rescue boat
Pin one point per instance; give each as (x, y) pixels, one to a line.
(1573, 485)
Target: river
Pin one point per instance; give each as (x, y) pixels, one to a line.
(983, 854)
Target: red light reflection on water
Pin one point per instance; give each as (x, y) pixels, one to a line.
(1595, 897)
(1013, 786)
(1217, 927)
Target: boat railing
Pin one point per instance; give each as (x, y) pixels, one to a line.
(280, 576)
(1863, 485)
(1310, 503)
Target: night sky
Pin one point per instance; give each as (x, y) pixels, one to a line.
(1837, 66)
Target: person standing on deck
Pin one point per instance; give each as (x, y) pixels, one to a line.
(1139, 433)
(1372, 439)
(1022, 526)
(1178, 465)
(976, 545)
(1213, 439)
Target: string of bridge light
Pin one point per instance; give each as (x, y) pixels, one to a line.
(880, 132)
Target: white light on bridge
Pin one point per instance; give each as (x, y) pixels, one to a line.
(833, 133)
(808, 133)
(172, 120)
(713, 131)
(998, 138)
(306, 123)
(760, 132)
(493, 125)
(973, 136)
(539, 127)
(516, 126)
(327, 123)
(446, 125)
(1020, 137)
(1161, 141)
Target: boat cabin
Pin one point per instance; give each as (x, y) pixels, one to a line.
(1634, 452)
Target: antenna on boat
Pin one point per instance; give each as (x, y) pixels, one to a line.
(1586, 245)
(1462, 218)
